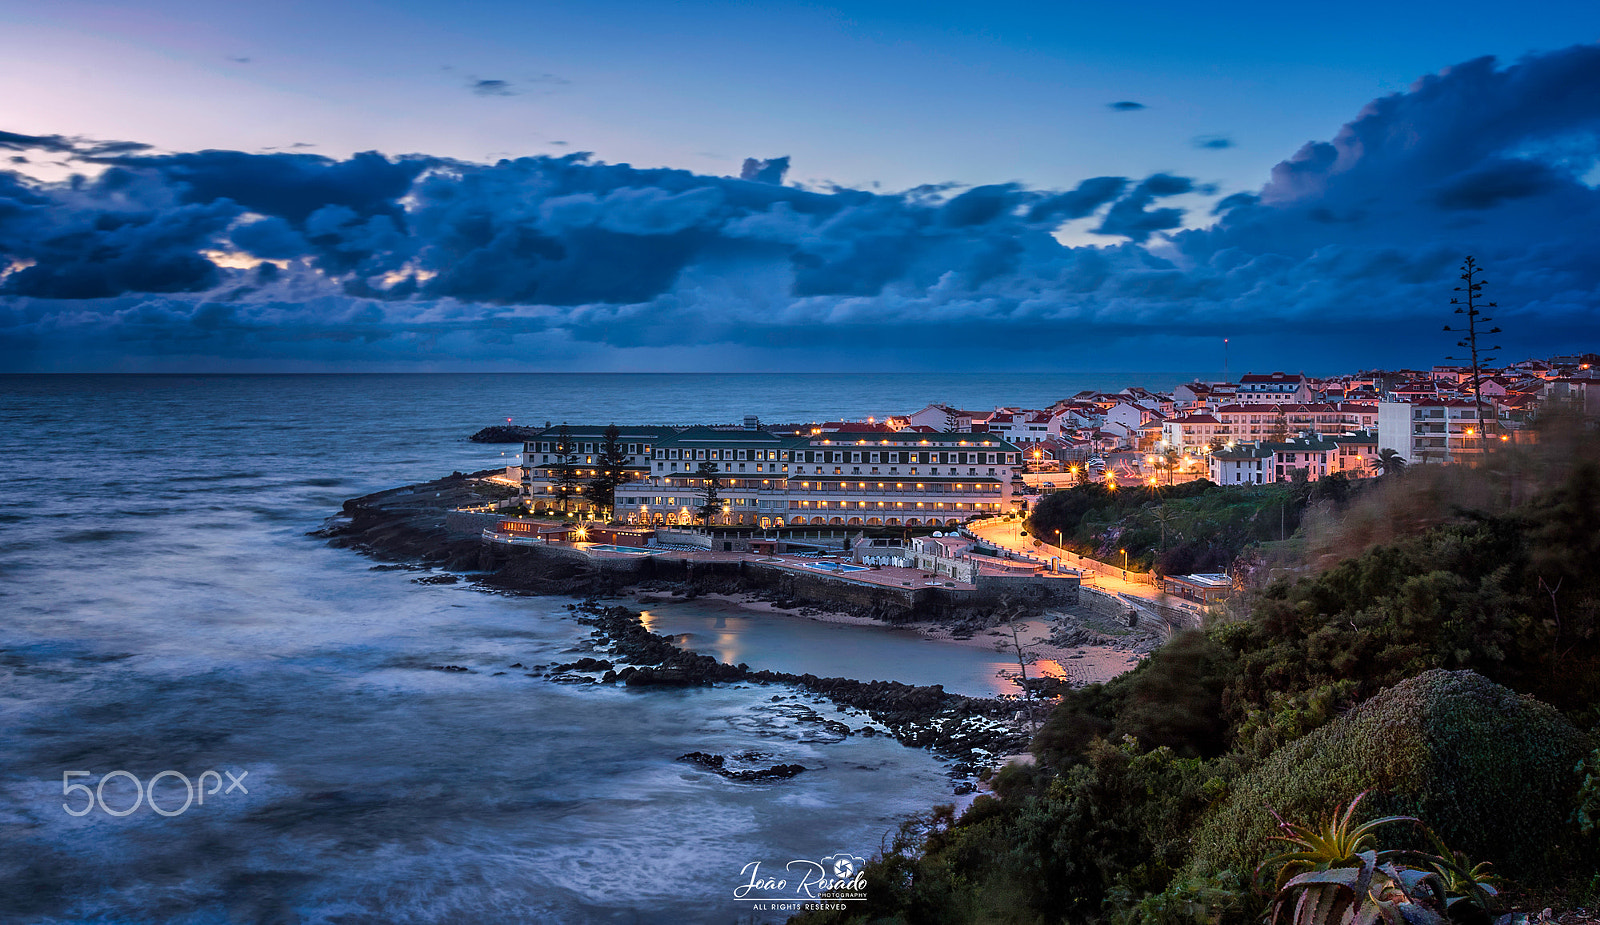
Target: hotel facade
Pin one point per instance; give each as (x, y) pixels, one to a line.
(768, 480)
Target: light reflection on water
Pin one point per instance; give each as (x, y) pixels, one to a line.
(795, 644)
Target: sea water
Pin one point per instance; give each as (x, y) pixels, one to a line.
(164, 615)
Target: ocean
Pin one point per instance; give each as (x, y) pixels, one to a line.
(167, 629)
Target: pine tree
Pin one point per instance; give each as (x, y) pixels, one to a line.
(565, 468)
(710, 502)
(611, 471)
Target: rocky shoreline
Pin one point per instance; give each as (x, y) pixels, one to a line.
(405, 528)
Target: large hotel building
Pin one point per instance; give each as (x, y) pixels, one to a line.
(771, 480)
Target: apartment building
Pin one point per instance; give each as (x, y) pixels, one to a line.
(1257, 388)
(1432, 430)
(1256, 422)
(1192, 433)
(767, 480)
(1261, 463)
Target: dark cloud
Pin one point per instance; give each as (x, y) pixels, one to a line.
(491, 87)
(1213, 142)
(58, 144)
(531, 259)
(1488, 185)
(239, 59)
(1126, 106)
(767, 171)
(74, 147)
(1131, 216)
(1090, 195)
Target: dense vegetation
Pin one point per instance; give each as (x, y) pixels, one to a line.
(1191, 527)
(1148, 802)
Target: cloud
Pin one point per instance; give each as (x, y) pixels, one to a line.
(491, 87)
(1131, 216)
(767, 171)
(1126, 106)
(1212, 142)
(295, 258)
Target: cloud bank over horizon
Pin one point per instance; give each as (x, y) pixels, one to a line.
(1345, 256)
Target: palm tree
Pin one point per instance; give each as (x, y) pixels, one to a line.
(1390, 462)
(1164, 517)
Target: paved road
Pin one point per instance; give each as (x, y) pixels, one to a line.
(1007, 536)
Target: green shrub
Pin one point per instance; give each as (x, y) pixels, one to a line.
(1491, 771)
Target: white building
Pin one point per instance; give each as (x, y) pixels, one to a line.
(1272, 387)
(1432, 430)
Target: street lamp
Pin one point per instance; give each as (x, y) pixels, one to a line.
(1124, 559)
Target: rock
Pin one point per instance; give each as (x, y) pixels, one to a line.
(445, 579)
(504, 433)
(718, 765)
(448, 668)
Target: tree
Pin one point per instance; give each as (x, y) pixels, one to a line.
(1280, 427)
(1469, 340)
(1390, 462)
(1169, 461)
(611, 471)
(1025, 656)
(1164, 517)
(565, 468)
(710, 503)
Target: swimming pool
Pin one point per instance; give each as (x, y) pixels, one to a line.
(834, 567)
(627, 550)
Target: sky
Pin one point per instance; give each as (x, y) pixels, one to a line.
(344, 185)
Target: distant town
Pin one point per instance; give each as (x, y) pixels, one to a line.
(941, 466)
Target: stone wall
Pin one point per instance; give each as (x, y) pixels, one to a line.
(461, 524)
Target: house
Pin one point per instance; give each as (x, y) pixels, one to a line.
(1260, 463)
(942, 418)
(1272, 387)
(1357, 453)
(1246, 464)
(1019, 427)
(945, 555)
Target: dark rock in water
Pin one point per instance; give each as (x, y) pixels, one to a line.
(445, 579)
(586, 664)
(664, 677)
(504, 433)
(571, 679)
(448, 668)
(710, 762)
(718, 765)
(517, 665)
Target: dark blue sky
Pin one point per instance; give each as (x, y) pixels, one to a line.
(927, 185)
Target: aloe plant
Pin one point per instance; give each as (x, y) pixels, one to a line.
(1336, 876)
(1338, 843)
